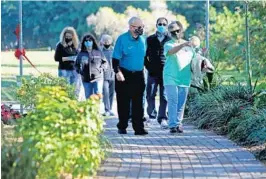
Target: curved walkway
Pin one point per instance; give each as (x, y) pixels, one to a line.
(194, 154)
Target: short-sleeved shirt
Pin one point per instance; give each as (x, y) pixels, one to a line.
(130, 52)
(177, 69)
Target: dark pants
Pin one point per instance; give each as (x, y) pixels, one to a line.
(108, 94)
(130, 90)
(152, 88)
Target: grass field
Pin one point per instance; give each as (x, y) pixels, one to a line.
(44, 61)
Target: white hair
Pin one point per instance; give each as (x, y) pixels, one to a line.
(106, 37)
(132, 20)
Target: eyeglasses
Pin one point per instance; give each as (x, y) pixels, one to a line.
(175, 31)
(138, 27)
(162, 24)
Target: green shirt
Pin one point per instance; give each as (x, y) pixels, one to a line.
(177, 69)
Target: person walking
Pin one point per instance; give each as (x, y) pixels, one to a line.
(128, 64)
(109, 75)
(154, 63)
(177, 75)
(90, 64)
(66, 52)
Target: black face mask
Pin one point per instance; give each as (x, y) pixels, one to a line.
(139, 31)
(68, 40)
(106, 46)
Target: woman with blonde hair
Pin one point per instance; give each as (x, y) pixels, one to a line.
(66, 52)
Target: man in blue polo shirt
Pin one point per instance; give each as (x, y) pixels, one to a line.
(128, 64)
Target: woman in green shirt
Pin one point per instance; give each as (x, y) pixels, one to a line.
(177, 75)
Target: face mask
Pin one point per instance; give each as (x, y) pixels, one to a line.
(88, 43)
(68, 40)
(139, 31)
(161, 29)
(106, 46)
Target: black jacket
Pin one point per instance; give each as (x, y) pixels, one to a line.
(155, 59)
(91, 65)
(61, 52)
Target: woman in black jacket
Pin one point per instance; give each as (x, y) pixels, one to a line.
(66, 52)
(90, 64)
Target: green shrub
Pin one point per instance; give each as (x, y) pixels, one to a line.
(17, 162)
(260, 99)
(252, 129)
(65, 134)
(216, 107)
(218, 116)
(231, 110)
(26, 94)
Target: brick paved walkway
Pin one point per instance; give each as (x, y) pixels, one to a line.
(194, 154)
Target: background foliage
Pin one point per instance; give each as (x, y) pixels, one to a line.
(58, 136)
(44, 20)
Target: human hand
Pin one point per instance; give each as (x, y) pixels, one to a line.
(195, 41)
(120, 76)
(187, 44)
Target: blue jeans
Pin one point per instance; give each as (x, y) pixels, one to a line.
(93, 88)
(176, 98)
(108, 94)
(69, 75)
(152, 88)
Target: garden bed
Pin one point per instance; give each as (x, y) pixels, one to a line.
(234, 112)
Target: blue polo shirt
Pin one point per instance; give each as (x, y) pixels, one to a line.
(130, 52)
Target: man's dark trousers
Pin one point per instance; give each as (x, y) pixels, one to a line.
(132, 89)
(152, 88)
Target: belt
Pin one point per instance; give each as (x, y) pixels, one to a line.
(129, 71)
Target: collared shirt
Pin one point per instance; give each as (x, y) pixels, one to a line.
(177, 69)
(130, 52)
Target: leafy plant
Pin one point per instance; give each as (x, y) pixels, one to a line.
(17, 163)
(64, 133)
(231, 110)
(26, 94)
(252, 128)
(215, 98)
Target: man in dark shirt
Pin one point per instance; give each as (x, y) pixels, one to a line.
(154, 63)
(128, 64)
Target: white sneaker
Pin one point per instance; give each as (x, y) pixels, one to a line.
(107, 114)
(164, 124)
(147, 121)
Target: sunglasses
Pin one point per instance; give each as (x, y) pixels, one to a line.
(176, 31)
(162, 24)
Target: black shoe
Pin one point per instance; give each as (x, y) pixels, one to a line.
(142, 132)
(180, 129)
(152, 116)
(173, 130)
(122, 131)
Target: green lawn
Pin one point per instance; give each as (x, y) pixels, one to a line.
(44, 61)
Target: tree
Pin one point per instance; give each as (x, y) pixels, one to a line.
(118, 23)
